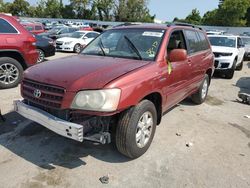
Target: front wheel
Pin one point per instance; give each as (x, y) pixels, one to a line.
(200, 96)
(230, 72)
(136, 129)
(240, 66)
(77, 48)
(10, 72)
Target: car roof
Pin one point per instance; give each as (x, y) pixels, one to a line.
(156, 26)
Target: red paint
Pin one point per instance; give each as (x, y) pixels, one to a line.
(135, 78)
(35, 28)
(22, 42)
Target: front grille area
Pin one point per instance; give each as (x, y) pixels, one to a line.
(59, 43)
(51, 96)
(216, 54)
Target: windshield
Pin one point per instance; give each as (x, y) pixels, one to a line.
(223, 41)
(127, 43)
(55, 29)
(77, 35)
(246, 40)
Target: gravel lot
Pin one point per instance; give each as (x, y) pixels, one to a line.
(32, 156)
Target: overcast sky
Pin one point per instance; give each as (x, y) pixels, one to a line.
(166, 10)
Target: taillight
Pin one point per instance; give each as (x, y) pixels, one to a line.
(32, 40)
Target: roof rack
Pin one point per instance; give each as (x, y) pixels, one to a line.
(184, 24)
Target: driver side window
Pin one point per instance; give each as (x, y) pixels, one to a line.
(176, 41)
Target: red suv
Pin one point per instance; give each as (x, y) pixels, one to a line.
(35, 28)
(121, 84)
(17, 51)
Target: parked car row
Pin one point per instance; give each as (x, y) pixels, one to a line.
(76, 41)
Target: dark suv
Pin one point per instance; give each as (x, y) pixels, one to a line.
(121, 84)
(17, 51)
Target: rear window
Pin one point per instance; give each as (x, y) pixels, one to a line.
(5, 27)
(193, 41)
(38, 27)
(29, 28)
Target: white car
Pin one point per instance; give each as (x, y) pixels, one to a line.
(77, 24)
(246, 42)
(76, 41)
(229, 53)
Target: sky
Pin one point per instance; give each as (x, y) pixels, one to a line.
(166, 10)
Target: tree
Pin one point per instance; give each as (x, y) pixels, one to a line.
(80, 8)
(232, 13)
(103, 8)
(132, 11)
(68, 12)
(194, 17)
(248, 17)
(210, 18)
(19, 8)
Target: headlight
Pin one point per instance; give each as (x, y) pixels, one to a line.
(67, 43)
(105, 100)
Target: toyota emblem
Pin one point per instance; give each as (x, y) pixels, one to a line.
(37, 93)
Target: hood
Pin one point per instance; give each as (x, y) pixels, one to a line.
(223, 49)
(82, 71)
(67, 39)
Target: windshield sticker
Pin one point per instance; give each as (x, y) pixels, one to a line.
(152, 34)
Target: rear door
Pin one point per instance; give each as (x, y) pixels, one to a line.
(196, 59)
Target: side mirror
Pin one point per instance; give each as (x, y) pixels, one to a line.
(85, 37)
(177, 55)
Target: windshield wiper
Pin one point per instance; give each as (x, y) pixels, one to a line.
(102, 47)
(133, 47)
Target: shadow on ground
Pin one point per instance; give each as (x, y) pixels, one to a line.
(46, 149)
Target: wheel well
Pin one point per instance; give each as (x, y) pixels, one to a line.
(15, 55)
(209, 73)
(157, 100)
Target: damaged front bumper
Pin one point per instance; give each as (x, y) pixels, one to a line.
(64, 128)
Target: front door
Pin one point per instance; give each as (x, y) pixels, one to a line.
(177, 74)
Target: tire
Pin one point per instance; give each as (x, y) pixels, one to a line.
(128, 128)
(41, 56)
(240, 66)
(77, 48)
(13, 76)
(229, 74)
(200, 96)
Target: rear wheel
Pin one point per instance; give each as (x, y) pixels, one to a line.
(200, 96)
(77, 48)
(136, 129)
(10, 72)
(41, 56)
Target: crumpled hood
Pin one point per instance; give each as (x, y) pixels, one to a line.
(82, 71)
(223, 49)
